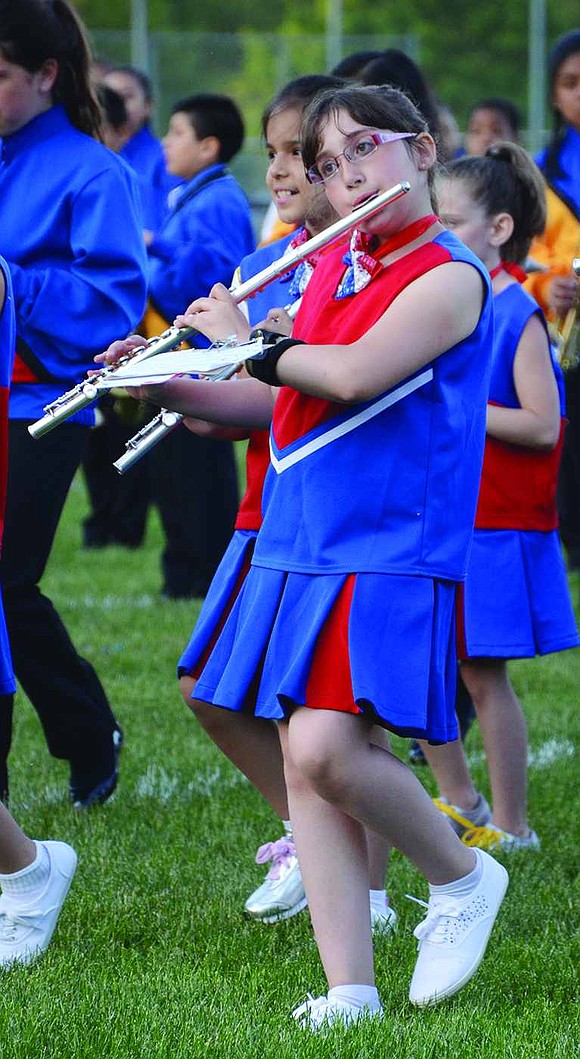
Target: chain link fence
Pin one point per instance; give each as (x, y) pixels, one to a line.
(249, 67)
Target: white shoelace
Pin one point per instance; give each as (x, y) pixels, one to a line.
(10, 921)
(436, 926)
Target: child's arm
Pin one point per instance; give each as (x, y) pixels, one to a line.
(239, 402)
(211, 430)
(418, 326)
(243, 403)
(536, 424)
(96, 285)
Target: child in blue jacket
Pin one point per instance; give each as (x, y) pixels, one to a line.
(70, 230)
(206, 234)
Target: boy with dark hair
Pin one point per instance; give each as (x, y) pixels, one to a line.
(208, 230)
(206, 233)
(214, 115)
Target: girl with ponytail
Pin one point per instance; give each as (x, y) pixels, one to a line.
(515, 602)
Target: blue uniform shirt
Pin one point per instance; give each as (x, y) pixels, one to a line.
(205, 236)
(71, 231)
(144, 153)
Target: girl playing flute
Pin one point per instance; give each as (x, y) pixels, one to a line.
(346, 617)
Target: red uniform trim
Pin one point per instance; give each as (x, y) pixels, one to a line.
(518, 487)
(329, 685)
(249, 515)
(461, 638)
(21, 372)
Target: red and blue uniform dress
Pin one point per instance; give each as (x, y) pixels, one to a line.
(368, 517)
(235, 564)
(7, 347)
(515, 602)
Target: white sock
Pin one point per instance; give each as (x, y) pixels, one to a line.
(379, 900)
(358, 996)
(460, 887)
(30, 880)
(288, 829)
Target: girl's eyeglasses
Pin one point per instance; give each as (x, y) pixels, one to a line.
(357, 151)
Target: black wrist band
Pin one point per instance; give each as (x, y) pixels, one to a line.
(263, 367)
(268, 337)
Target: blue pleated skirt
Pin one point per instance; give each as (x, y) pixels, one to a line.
(516, 602)
(223, 590)
(394, 637)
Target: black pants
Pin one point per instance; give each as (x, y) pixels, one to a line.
(63, 687)
(569, 480)
(5, 731)
(119, 503)
(194, 484)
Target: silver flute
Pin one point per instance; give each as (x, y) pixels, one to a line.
(159, 427)
(167, 420)
(84, 393)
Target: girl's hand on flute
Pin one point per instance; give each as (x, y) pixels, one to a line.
(121, 348)
(278, 320)
(216, 317)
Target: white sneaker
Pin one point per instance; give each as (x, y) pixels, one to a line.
(318, 1013)
(26, 928)
(384, 922)
(281, 895)
(454, 936)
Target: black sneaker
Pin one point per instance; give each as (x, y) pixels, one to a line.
(95, 788)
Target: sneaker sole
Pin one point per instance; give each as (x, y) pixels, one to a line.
(452, 990)
(277, 917)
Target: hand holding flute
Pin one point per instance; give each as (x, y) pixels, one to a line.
(188, 399)
(89, 390)
(217, 316)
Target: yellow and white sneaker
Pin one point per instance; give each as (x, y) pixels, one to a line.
(462, 820)
(495, 838)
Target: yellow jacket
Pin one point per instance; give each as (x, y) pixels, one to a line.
(555, 248)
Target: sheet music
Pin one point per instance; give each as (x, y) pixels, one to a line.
(165, 366)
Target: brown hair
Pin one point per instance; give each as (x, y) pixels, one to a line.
(378, 107)
(506, 180)
(32, 31)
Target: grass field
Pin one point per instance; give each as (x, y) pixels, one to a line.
(152, 957)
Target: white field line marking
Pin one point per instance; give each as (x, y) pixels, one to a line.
(162, 786)
(541, 757)
(89, 602)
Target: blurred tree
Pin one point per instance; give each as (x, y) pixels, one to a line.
(466, 50)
